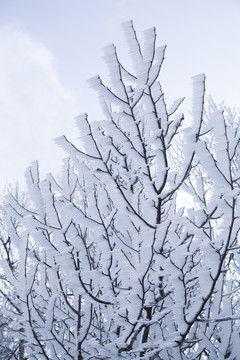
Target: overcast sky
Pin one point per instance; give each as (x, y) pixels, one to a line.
(49, 48)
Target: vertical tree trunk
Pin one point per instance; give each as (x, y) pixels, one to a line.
(21, 348)
(146, 328)
(79, 343)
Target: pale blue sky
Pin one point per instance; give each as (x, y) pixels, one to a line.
(49, 48)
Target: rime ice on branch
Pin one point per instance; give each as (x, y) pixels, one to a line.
(108, 264)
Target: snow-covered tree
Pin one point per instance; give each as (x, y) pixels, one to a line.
(11, 344)
(109, 261)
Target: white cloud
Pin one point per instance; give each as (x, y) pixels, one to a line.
(34, 105)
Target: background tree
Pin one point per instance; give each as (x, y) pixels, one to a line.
(109, 263)
(11, 343)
